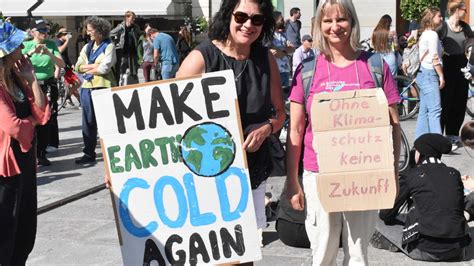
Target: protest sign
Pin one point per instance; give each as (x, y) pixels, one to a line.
(353, 141)
(181, 189)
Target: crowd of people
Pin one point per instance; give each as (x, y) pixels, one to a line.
(268, 56)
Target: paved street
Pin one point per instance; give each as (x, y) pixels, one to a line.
(83, 232)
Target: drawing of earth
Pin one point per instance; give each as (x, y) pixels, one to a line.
(207, 149)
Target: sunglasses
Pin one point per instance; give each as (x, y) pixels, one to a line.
(44, 31)
(241, 18)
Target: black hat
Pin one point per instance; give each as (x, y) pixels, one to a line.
(432, 145)
(39, 24)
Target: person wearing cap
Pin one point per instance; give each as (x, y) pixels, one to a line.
(303, 52)
(95, 62)
(22, 106)
(435, 225)
(45, 57)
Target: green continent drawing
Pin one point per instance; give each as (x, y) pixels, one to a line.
(207, 149)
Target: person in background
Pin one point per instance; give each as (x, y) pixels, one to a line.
(45, 58)
(454, 34)
(95, 62)
(62, 41)
(281, 48)
(164, 52)
(385, 41)
(430, 77)
(236, 36)
(303, 52)
(435, 226)
(23, 105)
(337, 37)
(126, 34)
(147, 56)
(184, 42)
(293, 27)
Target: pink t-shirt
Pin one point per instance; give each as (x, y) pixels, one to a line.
(329, 78)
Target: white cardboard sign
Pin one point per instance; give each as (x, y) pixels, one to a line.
(181, 189)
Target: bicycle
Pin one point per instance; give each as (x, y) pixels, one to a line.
(409, 96)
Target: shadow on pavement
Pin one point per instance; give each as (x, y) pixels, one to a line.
(74, 128)
(43, 180)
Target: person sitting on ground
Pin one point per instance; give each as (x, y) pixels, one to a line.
(435, 226)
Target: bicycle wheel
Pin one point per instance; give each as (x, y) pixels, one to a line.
(409, 97)
(63, 93)
(470, 103)
(404, 159)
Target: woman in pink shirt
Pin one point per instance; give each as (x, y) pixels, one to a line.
(341, 66)
(22, 107)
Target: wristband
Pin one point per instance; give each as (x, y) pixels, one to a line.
(271, 125)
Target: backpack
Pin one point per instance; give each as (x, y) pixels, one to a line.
(411, 60)
(375, 61)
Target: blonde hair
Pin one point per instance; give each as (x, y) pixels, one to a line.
(454, 5)
(347, 9)
(427, 18)
(5, 78)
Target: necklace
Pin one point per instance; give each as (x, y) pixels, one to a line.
(228, 65)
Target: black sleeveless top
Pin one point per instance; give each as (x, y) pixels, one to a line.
(253, 84)
(253, 93)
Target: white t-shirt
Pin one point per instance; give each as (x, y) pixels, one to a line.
(430, 42)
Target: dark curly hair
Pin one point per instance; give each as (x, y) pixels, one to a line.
(219, 29)
(101, 25)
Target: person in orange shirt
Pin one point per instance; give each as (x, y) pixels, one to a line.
(22, 106)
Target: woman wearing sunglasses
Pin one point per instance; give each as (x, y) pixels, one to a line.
(341, 65)
(235, 43)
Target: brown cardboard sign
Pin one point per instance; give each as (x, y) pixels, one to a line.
(349, 110)
(357, 191)
(354, 146)
(355, 149)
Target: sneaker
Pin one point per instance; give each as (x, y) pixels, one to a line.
(43, 161)
(379, 241)
(85, 159)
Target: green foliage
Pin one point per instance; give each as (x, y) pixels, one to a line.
(412, 9)
(201, 24)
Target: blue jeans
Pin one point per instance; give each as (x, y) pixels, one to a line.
(430, 103)
(89, 123)
(168, 71)
(285, 79)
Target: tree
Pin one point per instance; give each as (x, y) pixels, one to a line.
(412, 9)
